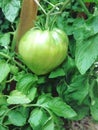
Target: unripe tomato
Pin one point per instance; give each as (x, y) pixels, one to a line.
(42, 51)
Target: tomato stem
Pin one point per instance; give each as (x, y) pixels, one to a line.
(91, 93)
(10, 58)
(3, 117)
(47, 22)
(37, 2)
(40, 106)
(64, 4)
(59, 11)
(51, 12)
(84, 7)
(5, 55)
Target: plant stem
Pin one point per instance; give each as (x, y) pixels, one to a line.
(84, 7)
(40, 106)
(91, 93)
(47, 21)
(10, 58)
(51, 12)
(14, 41)
(20, 65)
(8, 112)
(8, 81)
(63, 7)
(37, 2)
(50, 4)
(64, 4)
(5, 55)
(56, 7)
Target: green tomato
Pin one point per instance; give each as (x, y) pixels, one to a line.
(42, 51)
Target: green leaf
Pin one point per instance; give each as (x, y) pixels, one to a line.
(5, 39)
(41, 80)
(69, 65)
(17, 97)
(85, 29)
(4, 70)
(82, 111)
(26, 83)
(56, 105)
(16, 118)
(61, 88)
(92, 23)
(19, 75)
(58, 122)
(10, 9)
(77, 90)
(0, 3)
(57, 73)
(3, 109)
(60, 108)
(3, 128)
(32, 93)
(2, 99)
(13, 69)
(86, 53)
(38, 118)
(28, 128)
(94, 109)
(86, 36)
(44, 99)
(23, 110)
(49, 125)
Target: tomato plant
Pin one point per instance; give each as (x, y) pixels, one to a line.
(51, 83)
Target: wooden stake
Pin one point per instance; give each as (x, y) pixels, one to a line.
(27, 19)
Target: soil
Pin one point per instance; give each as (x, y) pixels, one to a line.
(85, 124)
